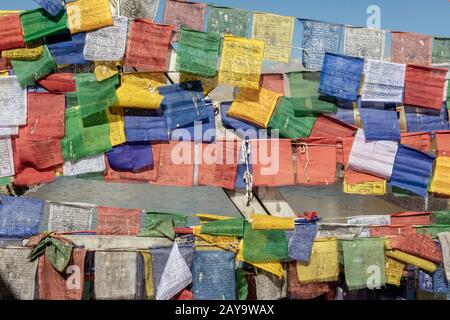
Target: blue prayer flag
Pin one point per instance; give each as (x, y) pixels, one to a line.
(66, 48)
(345, 111)
(19, 216)
(145, 126)
(379, 121)
(300, 241)
(426, 120)
(130, 157)
(53, 7)
(199, 131)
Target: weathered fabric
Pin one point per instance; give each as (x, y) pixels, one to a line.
(420, 245)
(433, 230)
(135, 9)
(383, 81)
(269, 286)
(53, 7)
(94, 164)
(116, 123)
(38, 24)
(444, 238)
(442, 217)
(273, 82)
(426, 120)
(241, 62)
(107, 44)
(364, 263)
(213, 275)
(306, 99)
(129, 157)
(115, 275)
(184, 14)
(326, 126)
(13, 99)
(68, 217)
(67, 285)
(441, 50)
(146, 128)
(317, 39)
(341, 76)
(88, 15)
(380, 121)
(239, 126)
(94, 96)
(323, 265)
(148, 46)
(225, 20)
(18, 274)
(11, 34)
(412, 170)
(30, 71)
(32, 51)
(139, 90)
(424, 87)
(198, 52)
(116, 221)
(66, 48)
(411, 48)
(177, 219)
(339, 231)
(364, 42)
(376, 158)
(266, 222)
(277, 33)
(19, 217)
(393, 271)
(58, 82)
(183, 103)
(300, 242)
(411, 218)
(105, 69)
(305, 291)
(443, 143)
(227, 227)
(264, 245)
(441, 178)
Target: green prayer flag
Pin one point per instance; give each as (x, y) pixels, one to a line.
(28, 72)
(227, 227)
(5, 181)
(38, 24)
(225, 20)
(71, 99)
(94, 96)
(241, 284)
(178, 219)
(364, 263)
(264, 245)
(441, 50)
(442, 217)
(290, 126)
(159, 229)
(198, 52)
(433, 230)
(59, 253)
(305, 97)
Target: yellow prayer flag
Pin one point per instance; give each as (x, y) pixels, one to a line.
(369, 188)
(148, 272)
(4, 73)
(116, 126)
(265, 222)
(208, 84)
(410, 259)
(394, 271)
(207, 242)
(441, 179)
(323, 265)
(255, 106)
(105, 70)
(32, 51)
(6, 12)
(274, 267)
(88, 15)
(241, 63)
(276, 32)
(139, 90)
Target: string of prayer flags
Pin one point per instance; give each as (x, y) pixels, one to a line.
(339, 231)
(116, 221)
(300, 242)
(69, 217)
(146, 128)
(7, 158)
(148, 46)
(341, 76)
(317, 39)
(316, 162)
(277, 33)
(264, 245)
(66, 48)
(411, 48)
(441, 50)
(323, 264)
(265, 222)
(363, 257)
(254, 106)
(88, 15)
(13, 102)
(38, 24)
(53, 7)
(441, 178)
(426, 120)
(128, 157)
(116, 126)
(139, 90)
(380, 121)
(366, 43)
(198, 52)
(273, 82)
(383, 81)
(19, 216)
(107, 44)
(30, 71)
(412, 170)
(32, 51)
(213, 275)
(442, 143)
(306, 99)
(94, 96)
(183, 103)
(136, 9)
(376, 158)
(11, 34)
(232, 21)
(66, 285)
(180, 13)
(241, 62)
(424, 86)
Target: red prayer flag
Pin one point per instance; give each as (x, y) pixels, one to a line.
(5, 65)
(443, 143)
(184, 14)
(305, 291)
(30, 176)
(58, 82)
(39, 155)
(411, 48)
(273, 82)
(11, 34)
(185, 295)
(421, 246)
(67, 285)
(344, 148)
(424, 87)
(411, 218)
(419, 141)
(148, 46)
(326, 126)
(117, 221)
(354, 177)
